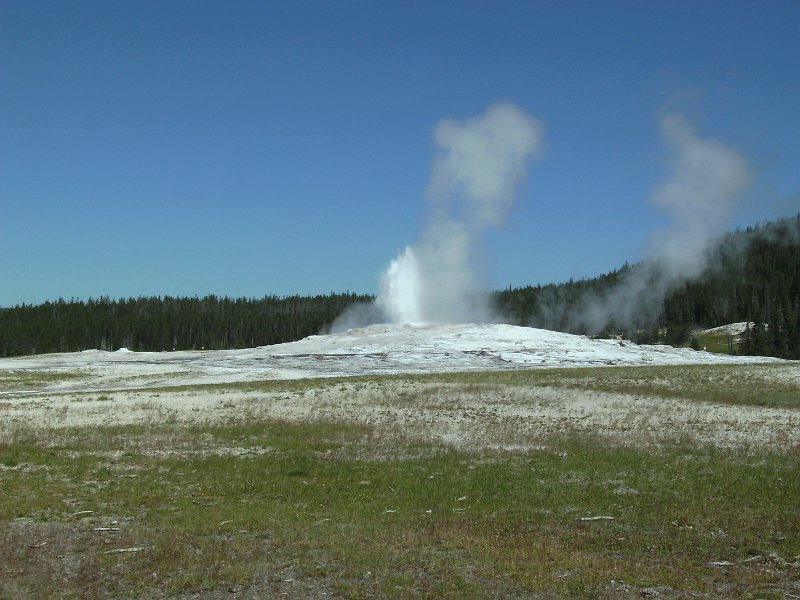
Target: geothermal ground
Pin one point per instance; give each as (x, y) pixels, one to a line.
(401, 461)
(122, 387)
(373, 350)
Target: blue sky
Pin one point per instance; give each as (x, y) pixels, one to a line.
(252, 148)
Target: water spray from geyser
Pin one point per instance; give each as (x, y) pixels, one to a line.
(478, 165)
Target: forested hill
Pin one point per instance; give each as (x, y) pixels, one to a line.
(753, 275)
(155, 323)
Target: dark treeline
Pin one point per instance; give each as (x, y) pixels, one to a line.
(753, 276)
(155, 323)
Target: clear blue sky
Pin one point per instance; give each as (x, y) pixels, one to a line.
(251, 148)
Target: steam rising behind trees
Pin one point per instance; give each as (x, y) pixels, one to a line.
(707, 178)
(751, 275)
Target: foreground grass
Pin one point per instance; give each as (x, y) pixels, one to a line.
(270, 508)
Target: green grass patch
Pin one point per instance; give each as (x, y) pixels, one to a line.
(312, 512)
(718, 342)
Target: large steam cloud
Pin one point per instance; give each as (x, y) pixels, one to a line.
(477, 168)
(707, 177)
(480, 162)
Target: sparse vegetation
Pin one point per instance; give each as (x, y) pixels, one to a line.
(721, 384)
(21, 380)
(254, 507)
(726, 384)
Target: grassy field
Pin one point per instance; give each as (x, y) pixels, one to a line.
(718, 341)
(266, 508)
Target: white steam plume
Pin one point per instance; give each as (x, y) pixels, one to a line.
(707, 177)
(477, 168)
(481, 161)
(478, 165)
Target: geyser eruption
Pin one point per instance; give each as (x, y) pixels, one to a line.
(478, 165)
(477, 168)
(400, 290)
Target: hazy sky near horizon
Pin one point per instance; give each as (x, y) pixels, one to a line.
(251, 148)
